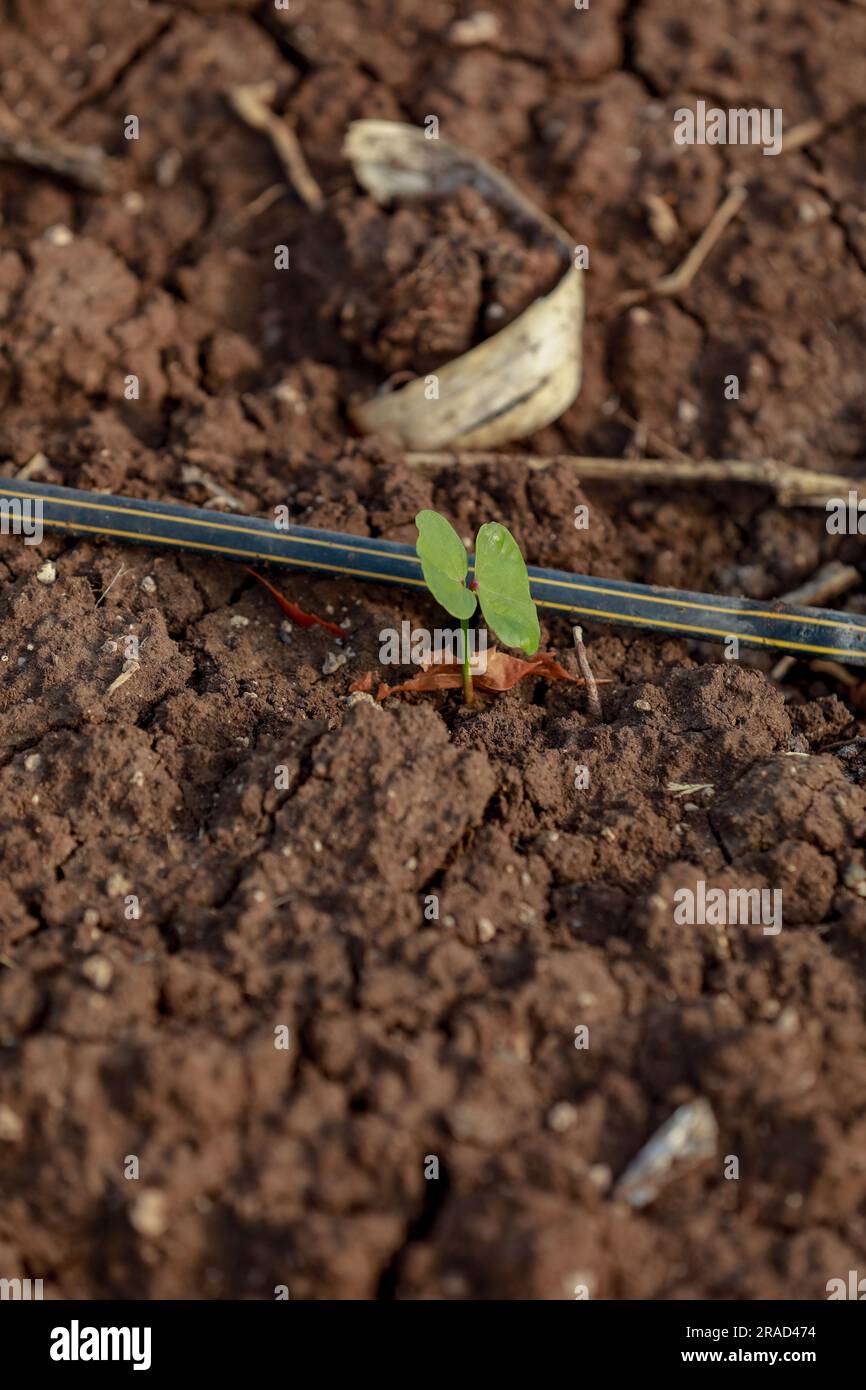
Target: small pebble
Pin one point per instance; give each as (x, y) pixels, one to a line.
(59, 235)
(148, 1213)
(98, 971)
(562, 1116)
(32, 762)
(333, 661)
(360, 697)
(481, 27)
(486, 929)
(238, 620)
(148, 584)
(47, 572)
(601, 1176)
(168, 167)
(11, 1126)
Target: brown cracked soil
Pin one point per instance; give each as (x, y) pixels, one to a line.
(303, 908)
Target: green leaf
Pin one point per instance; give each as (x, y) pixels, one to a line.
(444, 563)
(503, 589)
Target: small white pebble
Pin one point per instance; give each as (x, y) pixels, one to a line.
(562, 1116)
(148, 584)
(47, 572)
(480, 27)
(98, 971)
(11, 1126)
(333, 661)
(59, 235)
(32, 762)
(238, 620)
(486, 929)
(148, 1213)
(601, 1176)
(317, 847)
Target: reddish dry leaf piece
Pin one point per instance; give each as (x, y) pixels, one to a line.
(296, 614)
(502, 672)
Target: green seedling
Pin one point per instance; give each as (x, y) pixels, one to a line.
(500, 584)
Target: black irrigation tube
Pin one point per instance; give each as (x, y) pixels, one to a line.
(806, 631)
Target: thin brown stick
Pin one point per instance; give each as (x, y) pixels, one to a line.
(593, 699)
(110, 585)
(247, 214)
(811, 131)
(33, 465)
(191, 473)
(251, 103)
(682, 277)
(652, 436)
(828, 582)
(86, 165)
(836, 672)
(794, 487)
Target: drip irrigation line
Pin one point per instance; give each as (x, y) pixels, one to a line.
(774, 624)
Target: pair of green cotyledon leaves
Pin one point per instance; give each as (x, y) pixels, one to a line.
(501, 582)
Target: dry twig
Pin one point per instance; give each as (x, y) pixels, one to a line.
(794, 487)
(129, 669)
(191, 473)
(86, 165)
(593, 699)
(110, 585)
(828, 582)
(251, 103)
(32, 466)
(682, 277)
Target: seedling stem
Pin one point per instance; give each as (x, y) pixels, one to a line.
(468, 692)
